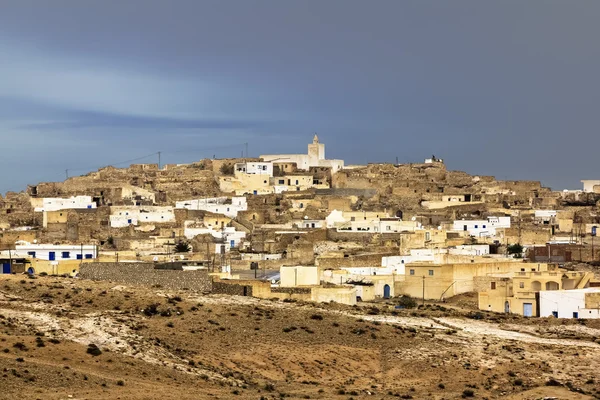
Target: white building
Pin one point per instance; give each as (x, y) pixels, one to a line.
(545, 216)
(232, 237)
(312, 223)
(122, 216)
(55, 204)
(470, 250)
(588, 185)
(216, 205)
(314, 158)
(254, 168)
(482, 228)
(575, 303)
(52, 252)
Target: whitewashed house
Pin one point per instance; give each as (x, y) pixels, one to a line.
(482, 228)
(122, 216)
(574, 303)
(216, 205)
(52, 252)
(55, 204)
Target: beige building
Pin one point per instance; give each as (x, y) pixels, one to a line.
(244, 183)
(437, 281)
(518, 292)
(293, 276)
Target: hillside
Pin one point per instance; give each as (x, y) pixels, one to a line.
(157, 344)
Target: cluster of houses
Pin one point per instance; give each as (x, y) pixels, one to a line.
(337, 249)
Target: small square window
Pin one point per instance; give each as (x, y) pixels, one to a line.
(430, 272)
(412, 271)
(493, 285)
(475, 226)
(483, 226)
(522, 285)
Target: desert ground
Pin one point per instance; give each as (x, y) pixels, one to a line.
(63, 338)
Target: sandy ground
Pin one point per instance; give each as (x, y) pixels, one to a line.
(156, 344)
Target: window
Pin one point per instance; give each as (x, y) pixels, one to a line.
(296, 181)
(430, 272)
(66, 254)
(493, 285)
(475, 226)
(388, 228)
(522, 285)
(31, 253)
(78, 256)
(427, 235)
(483, 226)
(282, 181)
(412, 271)
(401, 261)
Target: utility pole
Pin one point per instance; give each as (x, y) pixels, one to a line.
(423, 290)
(67, 173)
(519, 227)
(159, 160)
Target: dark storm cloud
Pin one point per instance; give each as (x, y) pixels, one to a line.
(502, 88)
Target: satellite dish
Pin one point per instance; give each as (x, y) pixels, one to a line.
(182, 257)
(155, 258)
(413, 219)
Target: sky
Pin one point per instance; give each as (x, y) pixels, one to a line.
(504, 88)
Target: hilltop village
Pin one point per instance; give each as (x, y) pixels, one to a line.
(304, 227)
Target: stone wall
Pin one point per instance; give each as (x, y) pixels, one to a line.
(144, 274)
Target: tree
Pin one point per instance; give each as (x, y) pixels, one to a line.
(182, 247)
(226, 169)
(515, 249)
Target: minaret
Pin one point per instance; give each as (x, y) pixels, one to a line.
(316, 151)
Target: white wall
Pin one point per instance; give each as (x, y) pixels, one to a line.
(482, 228)
(61, 252)
(312, 224)
(76, 202)
(255, 168)
(566, 302)
(588, 186)
(138, 214)
(216, 205)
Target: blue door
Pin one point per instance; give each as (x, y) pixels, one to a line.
(232, 243)
(527, 310)
(30, 271)
(6, 268)
(575, 315)
(52, 256)
(386, 291)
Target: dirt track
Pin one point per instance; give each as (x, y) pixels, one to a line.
(224, 347)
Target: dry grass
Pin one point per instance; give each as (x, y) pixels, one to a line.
(156, 344)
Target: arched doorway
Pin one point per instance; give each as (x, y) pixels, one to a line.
(386, 291)
(30, 271)
(506, 307)
(552, 286)
(536, 286)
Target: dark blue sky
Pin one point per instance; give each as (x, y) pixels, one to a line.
(505, 88)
